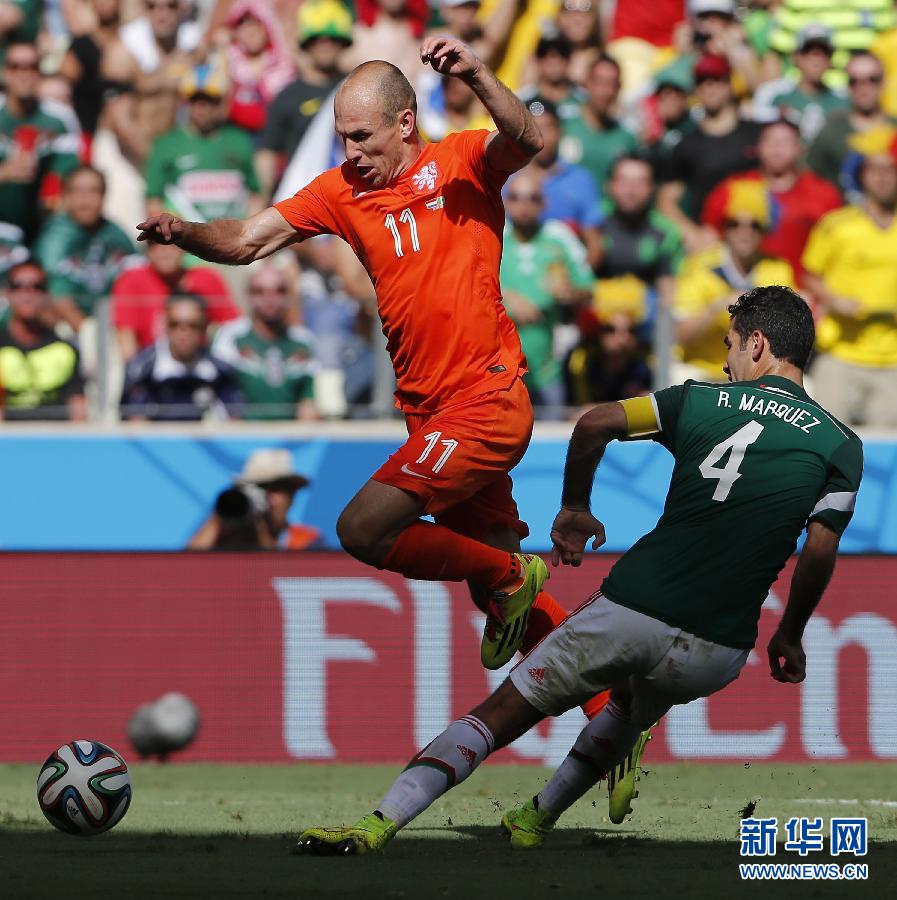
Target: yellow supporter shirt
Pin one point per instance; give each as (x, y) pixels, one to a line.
(858, 259)
(707, 278)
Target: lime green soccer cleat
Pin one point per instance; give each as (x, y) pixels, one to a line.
(527, 826)
(509, 613)
(368, 835)
(622, 779)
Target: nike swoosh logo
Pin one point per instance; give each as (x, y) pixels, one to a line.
(408, 471)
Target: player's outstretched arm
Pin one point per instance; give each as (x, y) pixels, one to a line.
(787, 661)
(518, 138)
(231, 241)
(574, 525)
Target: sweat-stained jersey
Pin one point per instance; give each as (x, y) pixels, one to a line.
(755, 461)
(431, 243)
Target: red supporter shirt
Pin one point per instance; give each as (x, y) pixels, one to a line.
(795, 213)
(653, 21)
(431, 242)
(139, 295)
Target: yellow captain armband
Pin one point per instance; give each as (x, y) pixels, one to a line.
(641, 416)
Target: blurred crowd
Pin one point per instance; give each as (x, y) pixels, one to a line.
(693, 149)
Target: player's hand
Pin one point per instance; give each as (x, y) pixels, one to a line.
(787, 660)
(162, 229)
(571, 531)
(449, 56)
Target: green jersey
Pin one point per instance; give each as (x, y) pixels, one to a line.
(82, 263)
(755, 461)
(273, 375)
(203, 177)
(51, 133)
(594, 148)
(527, 268)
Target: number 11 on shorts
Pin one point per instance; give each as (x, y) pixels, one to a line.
(432, 439)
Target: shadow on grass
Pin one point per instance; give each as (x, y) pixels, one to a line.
(469, 862)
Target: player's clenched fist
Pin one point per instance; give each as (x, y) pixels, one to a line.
(449, 56)
(161, 229)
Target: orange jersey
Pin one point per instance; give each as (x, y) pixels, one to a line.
(431, 242)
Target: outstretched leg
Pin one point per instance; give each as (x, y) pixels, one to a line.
(444, 763)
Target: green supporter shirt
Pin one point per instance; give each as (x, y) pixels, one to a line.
(526, 269)
(82, 263)
(754, 461)
(596, 149)
(812, 110)
(273, 375)
(202, 177)
(52, 131)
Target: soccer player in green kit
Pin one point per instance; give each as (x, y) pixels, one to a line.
(756, 460)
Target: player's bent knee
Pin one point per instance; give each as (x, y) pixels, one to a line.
(507, 714)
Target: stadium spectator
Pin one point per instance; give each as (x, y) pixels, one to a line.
(609, 361)
(12, 251)
(543, 270)
(595, 138)
(143, 67)
(578, 21)
(807, 99)
(828, 151)
(253, 514)
(449, 107)
(552, 77)
(569, 191)
(203, 170)
(20, 21)
(177, 378)
(666, 114)
(722, 144)
(270, 352)
(711, 280)
(139, 296)
(851, 269)
(81, 66)
(339, 308)
(854, 25)
(711, 28)
(640, 35)
(800, 198)
(487, 35)
(885, 48)
(39, 372)
(393, 36)
(324, 32)
(642, 249)
(259, 62)
(39, 142)
(82, 252)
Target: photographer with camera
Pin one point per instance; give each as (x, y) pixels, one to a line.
(252, 514)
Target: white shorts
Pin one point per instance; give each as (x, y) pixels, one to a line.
(604, 645)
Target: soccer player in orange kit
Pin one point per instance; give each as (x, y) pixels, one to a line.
(426, 221)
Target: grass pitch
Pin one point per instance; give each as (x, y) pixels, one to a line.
(227, 831)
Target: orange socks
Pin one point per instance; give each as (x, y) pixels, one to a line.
(434, 553)
(546, 615)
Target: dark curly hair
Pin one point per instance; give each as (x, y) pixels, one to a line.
(782, 316)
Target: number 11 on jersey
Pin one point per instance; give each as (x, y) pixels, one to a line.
(405, 216)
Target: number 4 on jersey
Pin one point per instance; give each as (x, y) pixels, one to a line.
(736, 446)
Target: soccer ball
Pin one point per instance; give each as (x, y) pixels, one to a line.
(84, 788)
(164, 726)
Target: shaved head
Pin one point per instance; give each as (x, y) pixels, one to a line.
(378, 84)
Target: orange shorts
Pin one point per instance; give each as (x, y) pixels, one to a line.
(457, 461)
